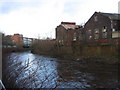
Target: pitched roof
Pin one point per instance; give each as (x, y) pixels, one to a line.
(113, 16)
(69, 25)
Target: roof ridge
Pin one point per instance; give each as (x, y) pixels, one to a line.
(114, 16)
(108, 13)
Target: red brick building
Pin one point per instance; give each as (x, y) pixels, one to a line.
(66, 33)
(17, 39)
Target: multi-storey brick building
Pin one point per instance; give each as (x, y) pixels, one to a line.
(66, 33)
(102, 28)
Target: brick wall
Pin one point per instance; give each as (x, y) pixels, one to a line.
(65, 36)
(100, 23)
(17, 39)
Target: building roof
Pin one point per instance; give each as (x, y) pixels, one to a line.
(69, 25)
(9, 35)
(113, 16)
(17, 34)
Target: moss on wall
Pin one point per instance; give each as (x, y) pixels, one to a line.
(100, 51)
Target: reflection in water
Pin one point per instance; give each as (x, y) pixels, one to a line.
(79, 75)
(34, 71)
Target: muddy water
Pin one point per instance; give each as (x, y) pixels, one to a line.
(27, 70)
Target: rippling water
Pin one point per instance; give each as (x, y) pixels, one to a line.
(27, 70)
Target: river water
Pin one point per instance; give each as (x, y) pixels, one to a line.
(27, 70)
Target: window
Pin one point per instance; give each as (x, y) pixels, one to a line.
(89, 34)
(104, 32)
(90, 37)
(59, 41)
(113, 30)
(95, 18)
(96, 33)
(62, 42)
(89, 31)
(74, 37)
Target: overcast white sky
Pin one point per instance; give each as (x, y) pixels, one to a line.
(40, 17)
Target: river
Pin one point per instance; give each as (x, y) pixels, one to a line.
(27, 70)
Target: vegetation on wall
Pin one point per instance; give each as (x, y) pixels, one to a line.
(77, 50)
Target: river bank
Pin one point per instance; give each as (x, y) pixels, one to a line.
(14, 49)
(68, 54)
(78, 51)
